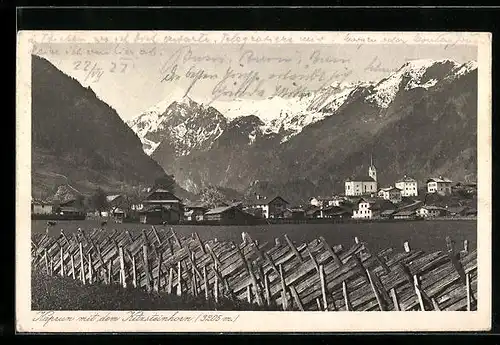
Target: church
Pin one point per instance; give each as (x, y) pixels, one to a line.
(362, 185)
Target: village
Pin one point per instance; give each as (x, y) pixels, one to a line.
(363, 200)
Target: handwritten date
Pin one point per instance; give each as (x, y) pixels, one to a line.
(95, 70)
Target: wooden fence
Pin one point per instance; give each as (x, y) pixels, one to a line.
(306, 277)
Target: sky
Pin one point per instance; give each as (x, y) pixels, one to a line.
(135, 77)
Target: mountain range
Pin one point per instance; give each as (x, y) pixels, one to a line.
(420, 120)
(79, 142)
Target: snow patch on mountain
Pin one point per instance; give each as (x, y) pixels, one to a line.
(463, 69)
(180, 120)
(408, 77)
(289, 116)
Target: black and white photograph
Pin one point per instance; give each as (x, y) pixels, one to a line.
(190, 178)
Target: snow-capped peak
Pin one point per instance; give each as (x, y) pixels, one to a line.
(411, 72)
(465, 68)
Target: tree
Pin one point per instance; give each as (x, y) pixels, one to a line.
(99, 201)
(165, 182)
(211, 196)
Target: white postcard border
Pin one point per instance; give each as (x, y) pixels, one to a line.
(250, 321)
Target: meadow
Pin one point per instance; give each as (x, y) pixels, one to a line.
(422, 235)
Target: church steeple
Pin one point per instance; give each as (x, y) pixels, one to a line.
(372, 171)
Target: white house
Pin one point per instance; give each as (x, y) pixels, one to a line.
(392, 194)
(317, 201)
(336, 201)
(408, 186)
(431, 211)
(439, 185)
(272, 207)
(362, 185)
(369, 208)
(41, 207)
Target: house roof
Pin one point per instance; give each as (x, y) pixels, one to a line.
(67, 202)
(433, 207)
(196, 205)
(110, 198)
(403, 213)
(387, 212)
(337, 210)
(439, 180)
(263, 200)
(457, 209)
(171, 196)
(40, 202)
(378, 204)
(313, 210)
(406, 179)
(295, 209)
(360, 179)
(388, 189)
(218, 210)
(70, 209)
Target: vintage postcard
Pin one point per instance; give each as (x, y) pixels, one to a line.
(212, 181)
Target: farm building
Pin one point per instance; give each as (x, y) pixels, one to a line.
(431, 211)
(408, 186)
(313, 212)
(41, 207)
(166, 199)
(439, 185)
(392, 194)
(228, 215)
(295, 213)
(273, 207)
(194, 212)
(159, 214)
(336, 212)
(404, 214)
(369, 208)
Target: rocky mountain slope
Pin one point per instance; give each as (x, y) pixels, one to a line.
(420, 120)
(79, 141)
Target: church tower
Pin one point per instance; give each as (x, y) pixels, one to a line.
(372, 171)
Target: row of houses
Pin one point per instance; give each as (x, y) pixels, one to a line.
(404, 187)
(162, 206)
(69, 208)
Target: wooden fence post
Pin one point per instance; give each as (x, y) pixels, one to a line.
(145, 259)
(249, 294)
(46, 258)
(395, 300)
(82, 267)
(469, 297)
(216, 284)
(122, 267)
(179, 279)
(419, 294)
(110, 272)
(323, 287)
(134, 272)
(296, 297)
(293, 248)
(205, 282)
(348, 306)
(284, 297)
(73, 274)
(91, 278)
(266, 287)
(170, 280)
(62, 261)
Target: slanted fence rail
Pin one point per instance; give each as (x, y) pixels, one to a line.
(304, 277)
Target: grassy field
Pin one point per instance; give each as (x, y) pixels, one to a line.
(423, 235)
(58, 293)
